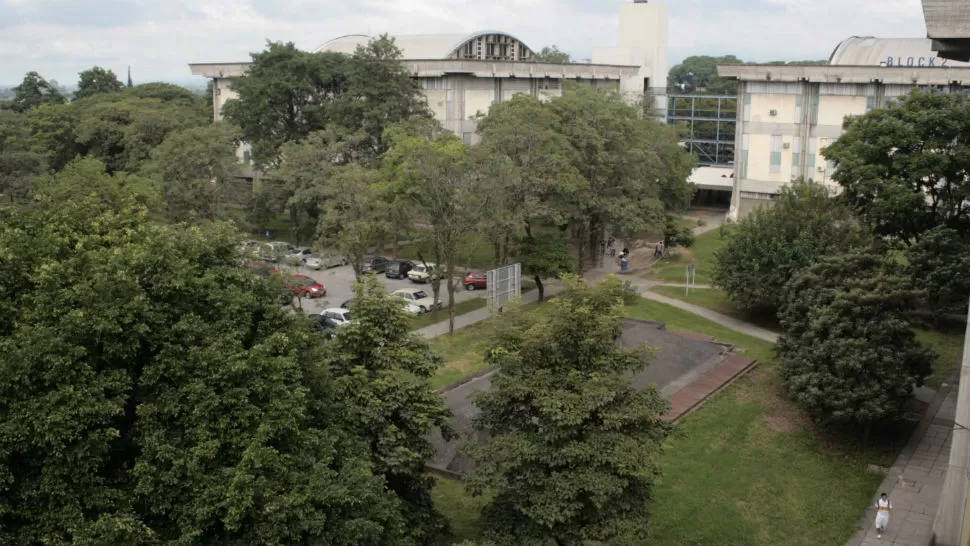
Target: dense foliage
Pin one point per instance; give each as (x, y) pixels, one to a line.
(95, 81)
(156, 393)
(573, 446)
(848, 354)
(772, 244)
(905, 168)
(939, 265)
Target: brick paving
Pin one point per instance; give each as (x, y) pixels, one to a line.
(702, 388)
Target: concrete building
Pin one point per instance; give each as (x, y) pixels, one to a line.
(464, 74)
(948, 26)
(787, 115)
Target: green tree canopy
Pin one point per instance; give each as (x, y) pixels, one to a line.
(573, 446)
(32, 92)
(19, 161)
(382, 371)
(699, 73)
(772, 244)
(194, 168)
(156, 393)
(939, 264)
(906, 168)
(552, 55)
(97, 80)
(848, 354)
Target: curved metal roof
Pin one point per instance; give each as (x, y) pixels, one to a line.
(872, 51)
(418, 46)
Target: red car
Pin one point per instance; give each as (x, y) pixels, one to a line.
(304, 286)
(474, 280)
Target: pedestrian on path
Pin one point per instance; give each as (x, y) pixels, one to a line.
(611, 244)
(603, 247)
(884, 508)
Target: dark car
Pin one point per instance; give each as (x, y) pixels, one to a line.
(475, 280)
(346, 304)
(326, 326)
(398, 269)
(375, 264)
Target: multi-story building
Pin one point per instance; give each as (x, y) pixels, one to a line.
(463, 75)
(787, 115)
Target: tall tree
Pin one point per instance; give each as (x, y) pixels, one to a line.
(552, 55)
(382, 372)
(155, 392)
(446, 186)
(938, 265)
(632, 167)
(97, 80)
(573, 446)
(193, 168)
(285, 96)
(32, 92)
(847, 352)
(353, 215)
(771, 245)
(906, 168)
(380, 93)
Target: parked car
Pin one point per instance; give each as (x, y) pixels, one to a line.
(274, 251)
(301, 252)
(422, 273)
(304, 286)
(398, 269)
(341, 317)
(375, 264)
(418, 298)
(322, 260)
(475, 280)
(346, 304)
(326, 326)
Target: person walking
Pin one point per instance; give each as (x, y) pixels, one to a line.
(611, 244)
(884, 509)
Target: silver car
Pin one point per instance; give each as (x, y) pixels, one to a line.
(322, 260)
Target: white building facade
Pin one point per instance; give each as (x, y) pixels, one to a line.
(787, 115)
(463, 75)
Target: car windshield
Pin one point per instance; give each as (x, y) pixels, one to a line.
(307, 282)
(420, 295)
(419, 268)
(346, 316)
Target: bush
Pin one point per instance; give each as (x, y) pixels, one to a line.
(774, 243)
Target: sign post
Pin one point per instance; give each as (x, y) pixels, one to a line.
(691, 278)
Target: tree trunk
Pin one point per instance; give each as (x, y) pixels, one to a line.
(540, 288)
(451, 298)
(497, 248)
(581, 238)
(505, 250)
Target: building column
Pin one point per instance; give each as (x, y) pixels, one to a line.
(734, 212)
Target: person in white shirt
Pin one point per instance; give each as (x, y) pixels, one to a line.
(884, 508)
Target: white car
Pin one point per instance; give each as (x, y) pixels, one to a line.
(422, 273)
(339, 316)
(418, 298)
(318, 261)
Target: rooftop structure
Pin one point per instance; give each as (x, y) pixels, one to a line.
(948, 26)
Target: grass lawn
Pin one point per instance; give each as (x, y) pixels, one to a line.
(461, 308)
(947, 342)
(461, 509)
(716, 300)
(948, 345)
(673, 268)
(463, 352)
(747, 469)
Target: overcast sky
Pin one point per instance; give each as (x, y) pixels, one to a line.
(158, 38)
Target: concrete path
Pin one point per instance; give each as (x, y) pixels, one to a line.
(714, 316)
(478, 315)
(915, 483)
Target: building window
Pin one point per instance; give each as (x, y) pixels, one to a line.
(829, 167)
(775, 165)
(744, 156)
(747, 107)
(812, 148)
(796, 156)
(870, 103)
(815, 105)
(466, 138)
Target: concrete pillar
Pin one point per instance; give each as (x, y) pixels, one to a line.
(734, 212)
(951, 525)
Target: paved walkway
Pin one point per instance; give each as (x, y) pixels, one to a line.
(714, 316)
(478, 315)
(915, 483)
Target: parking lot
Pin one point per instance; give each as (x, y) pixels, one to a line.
(339, 282)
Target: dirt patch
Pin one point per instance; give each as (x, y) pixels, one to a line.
(786, 421)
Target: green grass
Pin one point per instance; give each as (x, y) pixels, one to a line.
(717, 300)
(461, 308)
(947, 342)
(673, 268)
(474, 252)
(948, 345)
(461, 509)
(463, 352)
(747, 469)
